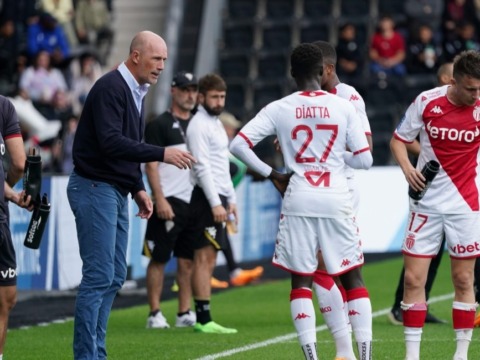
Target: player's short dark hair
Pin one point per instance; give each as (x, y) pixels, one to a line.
(306, 61)
(467, 63)
(328, 51)
(211, 82)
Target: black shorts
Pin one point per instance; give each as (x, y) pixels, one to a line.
(163, 237)
(210, 232)
(8, 264)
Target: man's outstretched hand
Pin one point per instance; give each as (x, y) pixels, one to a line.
(280, 181)
(179, 158)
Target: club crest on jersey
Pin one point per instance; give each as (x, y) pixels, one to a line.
(476, 113)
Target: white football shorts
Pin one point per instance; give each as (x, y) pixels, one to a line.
(424, 232)
(300, 238)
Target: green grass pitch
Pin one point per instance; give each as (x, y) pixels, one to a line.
(261, 314)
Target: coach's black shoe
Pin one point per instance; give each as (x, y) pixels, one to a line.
(396, 316)
(431, 319)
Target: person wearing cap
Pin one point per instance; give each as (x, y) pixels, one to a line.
(169, 228)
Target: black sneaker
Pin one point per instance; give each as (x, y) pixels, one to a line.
(396, 316)
(431, 319)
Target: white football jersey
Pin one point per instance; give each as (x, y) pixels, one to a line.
(349, 93)
(313, 128)
(449, 134)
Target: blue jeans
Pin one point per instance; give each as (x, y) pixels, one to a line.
(101, 216)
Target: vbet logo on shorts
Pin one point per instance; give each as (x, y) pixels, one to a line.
(465, 249)
(8, 273)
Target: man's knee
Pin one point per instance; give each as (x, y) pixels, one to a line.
(8, 298)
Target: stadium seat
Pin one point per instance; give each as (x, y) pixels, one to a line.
(415, 84)
(280, 9)
(239, 36)
(266, 93)
(277, 36)
(315, 31)
(382, 123)
(383, 93)
(394, 8)
(242, 9)
(317, 9)
(235, 95)
(273, 66)
(355, 7)
(391, 7)
(235, 65)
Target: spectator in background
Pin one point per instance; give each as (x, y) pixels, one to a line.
(44, 85)
(62, 11)
(428, 12)
(455, 13)
(19, 14)
(424, 53)
(8, 53)
(92, 21)
(387, 49)
(349, 55)
(47, 35)
(84, 71)
(68, 134)
(464, 39)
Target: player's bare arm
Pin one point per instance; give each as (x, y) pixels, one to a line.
(18, 198)
(414, 178)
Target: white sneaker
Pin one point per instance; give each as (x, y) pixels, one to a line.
(157, 322)
(186, 320)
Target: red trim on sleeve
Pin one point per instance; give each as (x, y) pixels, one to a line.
(250, 145)
(11, 136)
(361, 151)
(300, 294)
(400, 139)
(368, 133)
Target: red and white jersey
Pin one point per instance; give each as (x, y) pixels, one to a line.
(449, 134)
(313, 129)
(351, 94)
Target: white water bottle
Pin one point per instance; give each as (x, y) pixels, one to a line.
(232, 224)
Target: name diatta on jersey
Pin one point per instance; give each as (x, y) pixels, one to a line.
(308, 112)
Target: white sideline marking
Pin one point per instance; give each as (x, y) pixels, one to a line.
(290, 336)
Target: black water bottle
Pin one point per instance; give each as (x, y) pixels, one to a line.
(429, 171)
